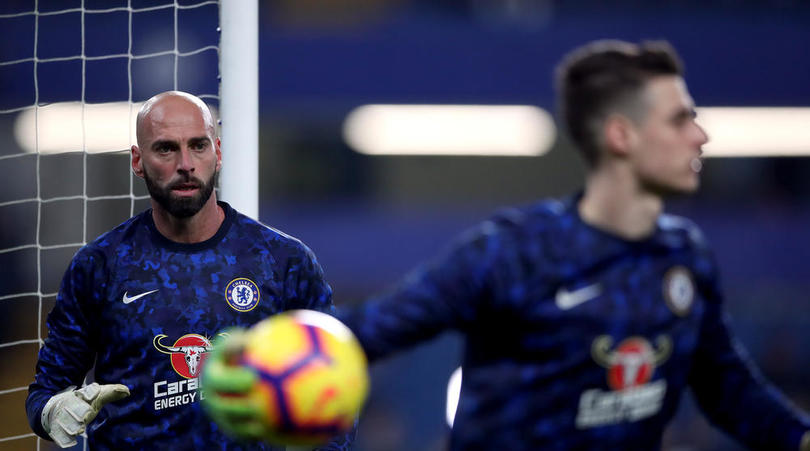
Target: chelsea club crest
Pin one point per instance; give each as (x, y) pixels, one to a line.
(679, 290)
(242, 294)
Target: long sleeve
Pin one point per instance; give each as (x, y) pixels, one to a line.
(68, 352)
(733, 393)
(444, 293)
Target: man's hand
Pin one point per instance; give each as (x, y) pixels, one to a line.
(68, 413)
(226, 386)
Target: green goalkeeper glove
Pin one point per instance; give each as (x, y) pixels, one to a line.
(68, 412)
(226, 386)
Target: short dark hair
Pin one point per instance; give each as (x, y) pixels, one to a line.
(597, 78)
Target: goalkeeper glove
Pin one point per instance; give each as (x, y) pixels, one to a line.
(68, 413)
(227, 385)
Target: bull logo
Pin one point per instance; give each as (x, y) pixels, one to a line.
(187, 354)
(633, 362)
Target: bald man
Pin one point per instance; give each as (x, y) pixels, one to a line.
(178, 156)
(141, 303)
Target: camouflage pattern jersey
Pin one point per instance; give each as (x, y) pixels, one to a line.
(575, 338)
(142, 311)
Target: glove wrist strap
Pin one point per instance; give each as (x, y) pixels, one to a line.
(44, 419)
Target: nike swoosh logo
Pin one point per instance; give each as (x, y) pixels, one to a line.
(569, 299)
(127, 299)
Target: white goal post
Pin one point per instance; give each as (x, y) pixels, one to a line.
(239, 104)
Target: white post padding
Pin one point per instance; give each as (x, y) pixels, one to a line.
(239, 104)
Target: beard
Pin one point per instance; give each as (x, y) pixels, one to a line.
(181, 207)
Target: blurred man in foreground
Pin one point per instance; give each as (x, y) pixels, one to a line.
(586, 318)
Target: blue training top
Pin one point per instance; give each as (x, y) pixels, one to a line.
(578, 339)
(144, 309)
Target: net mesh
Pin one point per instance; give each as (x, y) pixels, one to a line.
(72, 77)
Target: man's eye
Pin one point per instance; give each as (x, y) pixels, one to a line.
(683, 119)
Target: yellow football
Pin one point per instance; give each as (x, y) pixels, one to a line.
(312, 376)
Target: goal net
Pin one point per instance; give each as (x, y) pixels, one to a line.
(72, 77)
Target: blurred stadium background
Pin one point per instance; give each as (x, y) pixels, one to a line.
(372, 218)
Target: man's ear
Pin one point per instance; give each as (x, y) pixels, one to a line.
(620, 134)
(218, 149)
(137, 163)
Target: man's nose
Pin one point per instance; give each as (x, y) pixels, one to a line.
(186, 163)
(703, 137)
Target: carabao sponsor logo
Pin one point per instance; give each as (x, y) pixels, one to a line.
(633, 394)
(187, 354)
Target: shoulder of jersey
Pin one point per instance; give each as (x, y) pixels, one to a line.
(516, 222)
(112, 239)
(270, 234)
(538, 211)
(684, 227)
